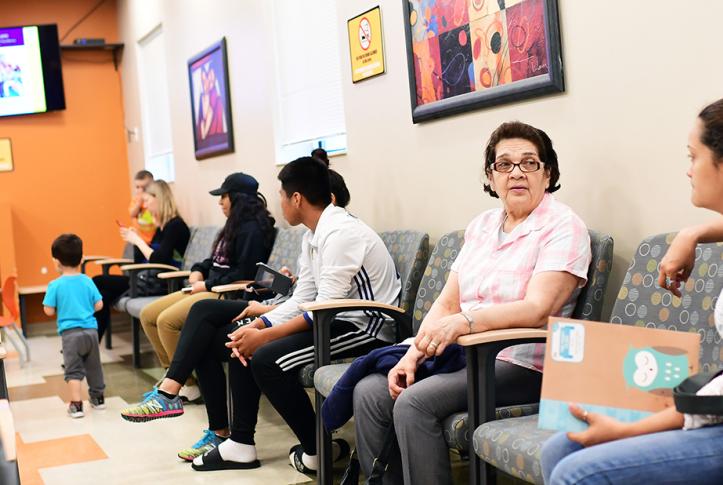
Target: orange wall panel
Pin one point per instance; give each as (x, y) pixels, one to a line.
(71, 166)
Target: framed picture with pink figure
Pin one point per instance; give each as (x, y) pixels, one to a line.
(211, 102)
(470, 54)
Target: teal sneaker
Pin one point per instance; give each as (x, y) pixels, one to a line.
(154, 406)
(208, 441)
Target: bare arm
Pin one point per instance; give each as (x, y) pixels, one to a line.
(98, 305)
(678, 262)
(49, 310)
(547, 293)
(604, 428)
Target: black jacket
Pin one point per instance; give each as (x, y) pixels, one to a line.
(250, 247)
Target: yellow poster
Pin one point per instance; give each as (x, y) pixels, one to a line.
(6, 155)
(366, 45)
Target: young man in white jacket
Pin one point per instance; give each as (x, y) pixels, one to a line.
(341, 257)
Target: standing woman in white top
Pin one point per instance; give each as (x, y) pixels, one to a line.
(667, 447)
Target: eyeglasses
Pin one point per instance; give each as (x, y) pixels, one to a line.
(526, 166)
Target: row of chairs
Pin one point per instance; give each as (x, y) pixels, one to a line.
(419, 294)
(508, 439)
(502, 438)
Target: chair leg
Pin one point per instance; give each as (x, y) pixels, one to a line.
(325, 475)
(23, 342)
(136, 325)
(109, 334)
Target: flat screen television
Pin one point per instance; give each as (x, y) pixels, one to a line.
(31, 78)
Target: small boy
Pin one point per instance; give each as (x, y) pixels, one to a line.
(75, 298)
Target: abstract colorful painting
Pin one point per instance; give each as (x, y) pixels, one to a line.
(211, 102)
(469, 54)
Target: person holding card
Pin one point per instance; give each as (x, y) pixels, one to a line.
(667, 447)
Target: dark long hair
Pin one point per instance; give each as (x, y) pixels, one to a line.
(245, 207)
(712, 136)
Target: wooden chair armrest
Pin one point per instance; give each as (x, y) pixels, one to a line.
(347, 303)
(95, 258)
(140, 266)
(112, 261)
(501, 335)
(174, 274)
(7, 431)
(3, 352)
(238, 286)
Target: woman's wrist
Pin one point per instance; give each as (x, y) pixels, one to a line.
(469, 320)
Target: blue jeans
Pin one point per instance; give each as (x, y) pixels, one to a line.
(678, 456)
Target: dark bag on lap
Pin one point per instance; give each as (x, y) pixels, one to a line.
(149, 284)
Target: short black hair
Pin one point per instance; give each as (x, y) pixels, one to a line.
(339, 189)
(543, 143)
(68, 249)
(309, 177)
(143, 174)
(320, 154)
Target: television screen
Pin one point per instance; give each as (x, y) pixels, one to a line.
(31, 79)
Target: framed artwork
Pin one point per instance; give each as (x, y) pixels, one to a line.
(211, 102)
(469, 54)
(366, 45)
(6, 155)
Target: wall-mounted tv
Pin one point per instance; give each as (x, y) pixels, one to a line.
(31, 79)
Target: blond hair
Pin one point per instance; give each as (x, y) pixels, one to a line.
(167, 209)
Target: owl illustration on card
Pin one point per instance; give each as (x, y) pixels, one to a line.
(655, 369)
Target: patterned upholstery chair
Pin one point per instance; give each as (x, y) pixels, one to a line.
(410, 251)
(588, 307)
(199, 248)
(514, 445)
(432, 281)
(287, 248)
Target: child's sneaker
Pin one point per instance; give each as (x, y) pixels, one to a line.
(208, 441)
(154, 406)
(75, 410)
(97, 402)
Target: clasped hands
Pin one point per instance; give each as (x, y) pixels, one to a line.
(245, 340)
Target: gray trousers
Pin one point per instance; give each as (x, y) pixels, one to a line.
(81, 357)
(422, 456)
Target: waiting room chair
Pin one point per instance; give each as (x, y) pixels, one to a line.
(514, 445)
(589, 305)
(11, 321)
(431, 284)
(409, 251)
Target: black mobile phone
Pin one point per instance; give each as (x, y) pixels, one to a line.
(271, 279)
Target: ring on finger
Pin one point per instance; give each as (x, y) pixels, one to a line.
(433, 344)
(584, 416)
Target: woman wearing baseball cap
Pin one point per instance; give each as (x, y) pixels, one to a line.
(245, 240)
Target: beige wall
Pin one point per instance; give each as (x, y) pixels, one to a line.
(636, 74)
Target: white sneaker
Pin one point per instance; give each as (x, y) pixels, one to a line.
(190, 394)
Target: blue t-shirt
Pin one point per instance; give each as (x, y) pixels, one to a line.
(74, 298)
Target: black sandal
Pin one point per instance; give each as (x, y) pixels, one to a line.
(212, 461)
(296, 452)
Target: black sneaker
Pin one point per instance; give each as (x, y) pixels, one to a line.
(97, 402)
(75, 410)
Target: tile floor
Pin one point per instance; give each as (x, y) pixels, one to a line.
(102, 448)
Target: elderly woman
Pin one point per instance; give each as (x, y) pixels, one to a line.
(656, 448)
(519, 265)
